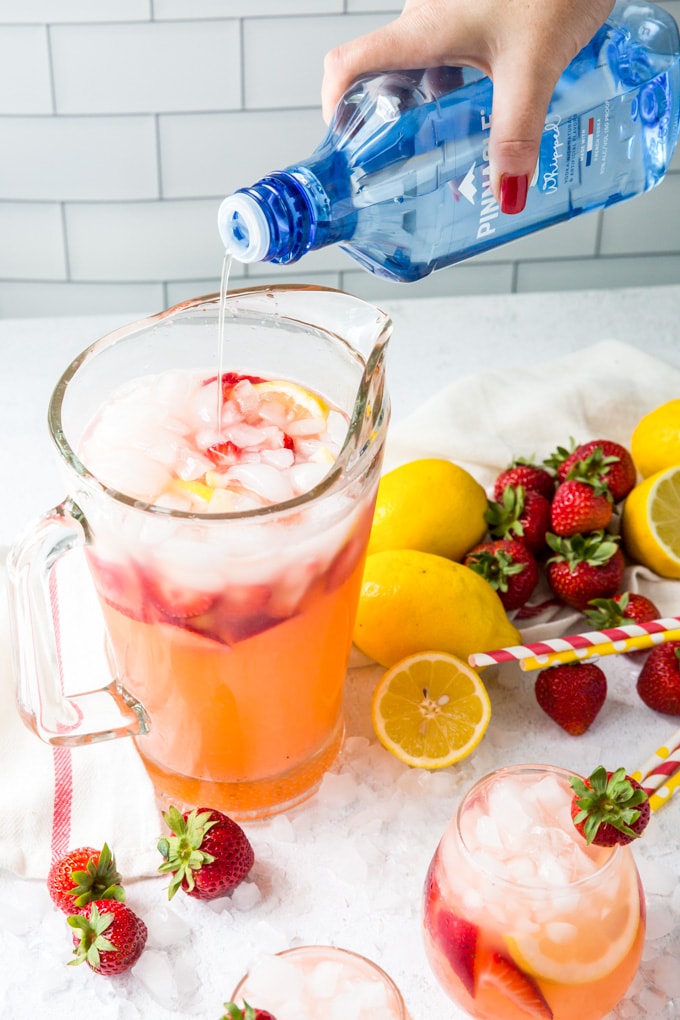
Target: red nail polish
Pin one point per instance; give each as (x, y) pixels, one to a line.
(514, 193)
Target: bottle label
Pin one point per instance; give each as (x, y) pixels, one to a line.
(573, 149)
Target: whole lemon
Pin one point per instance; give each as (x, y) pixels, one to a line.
(650, 523)
(414, 601)
(430, 504)
(655, 443)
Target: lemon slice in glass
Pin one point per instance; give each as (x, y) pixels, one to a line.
(430, 710)
(300, 401)
(651, 523)
(575, 951)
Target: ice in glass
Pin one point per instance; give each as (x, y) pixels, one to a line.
(521, 917)
(321, 983)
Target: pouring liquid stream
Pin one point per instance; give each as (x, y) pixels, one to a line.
(224, 290)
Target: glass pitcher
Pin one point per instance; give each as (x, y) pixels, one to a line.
(227, 634)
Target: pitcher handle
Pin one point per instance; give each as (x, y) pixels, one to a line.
(55, 716)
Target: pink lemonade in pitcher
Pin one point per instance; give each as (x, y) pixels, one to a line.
(259, 619)
(521, 917)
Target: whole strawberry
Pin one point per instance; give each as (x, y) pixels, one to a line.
(609, 807)
(246, 1012)
(572, 694)
(522, 515)
(600, 459)
(624, 608)
(579, 507)
(584, 567)
(658, 683)
(532, 478)
(108, 937)
(82, 876)
(206, 853)
(509, 567)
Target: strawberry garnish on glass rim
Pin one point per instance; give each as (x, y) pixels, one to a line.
(609, 807)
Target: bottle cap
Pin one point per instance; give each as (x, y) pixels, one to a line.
(243, 227)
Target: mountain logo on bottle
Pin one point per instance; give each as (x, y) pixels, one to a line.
(467, 187)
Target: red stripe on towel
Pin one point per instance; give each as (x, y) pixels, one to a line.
(61, 758)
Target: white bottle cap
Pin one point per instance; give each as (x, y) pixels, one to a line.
(243, 228)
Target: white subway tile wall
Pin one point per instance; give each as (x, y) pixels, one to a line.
(124, 122)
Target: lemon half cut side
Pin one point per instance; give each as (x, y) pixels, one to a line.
(651, 523)
(430, 710)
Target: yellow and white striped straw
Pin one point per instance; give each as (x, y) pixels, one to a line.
(657, 763)
(579, 647)
(663, 794)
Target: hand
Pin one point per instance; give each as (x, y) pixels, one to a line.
(523, 45)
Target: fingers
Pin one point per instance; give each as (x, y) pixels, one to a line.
(404, 43)
(520, 105)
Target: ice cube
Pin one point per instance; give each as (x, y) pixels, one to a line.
(304, 477)
(166, 927)
(246, 896)
(154, 971)
(664, 972)
(336, 427)
(550, 796)
(348, 864)
(561, 932)
(263, 480)
(660, 920)
(337, 791)
(275, 979)
(201, 407)
(522, 870)
(324, 979)
(281, 829)
(656, 879)
(305, 427)
(280, 459)
(190, 465)
(131, 472)
(487, 833)
(552, 871)
(244, 435)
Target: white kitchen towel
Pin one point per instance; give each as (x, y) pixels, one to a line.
(54, 799)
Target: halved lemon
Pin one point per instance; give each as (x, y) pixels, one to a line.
(582, 948)
(650, 523)
(301, 401)
(430, 710)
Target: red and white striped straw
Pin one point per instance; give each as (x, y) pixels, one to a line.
(660, 765)
(572, 647)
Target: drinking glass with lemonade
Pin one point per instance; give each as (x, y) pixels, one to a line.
(523, 918)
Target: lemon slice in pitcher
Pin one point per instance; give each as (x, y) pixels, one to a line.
(300, 401)
(430, 710)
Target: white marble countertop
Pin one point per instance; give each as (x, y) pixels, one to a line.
(348, 867)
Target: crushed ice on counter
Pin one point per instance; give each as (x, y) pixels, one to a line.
(345, 868)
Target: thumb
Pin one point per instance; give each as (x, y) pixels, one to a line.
(520, 106)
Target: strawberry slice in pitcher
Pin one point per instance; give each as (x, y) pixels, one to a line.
(176, 602)
(120, 585)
